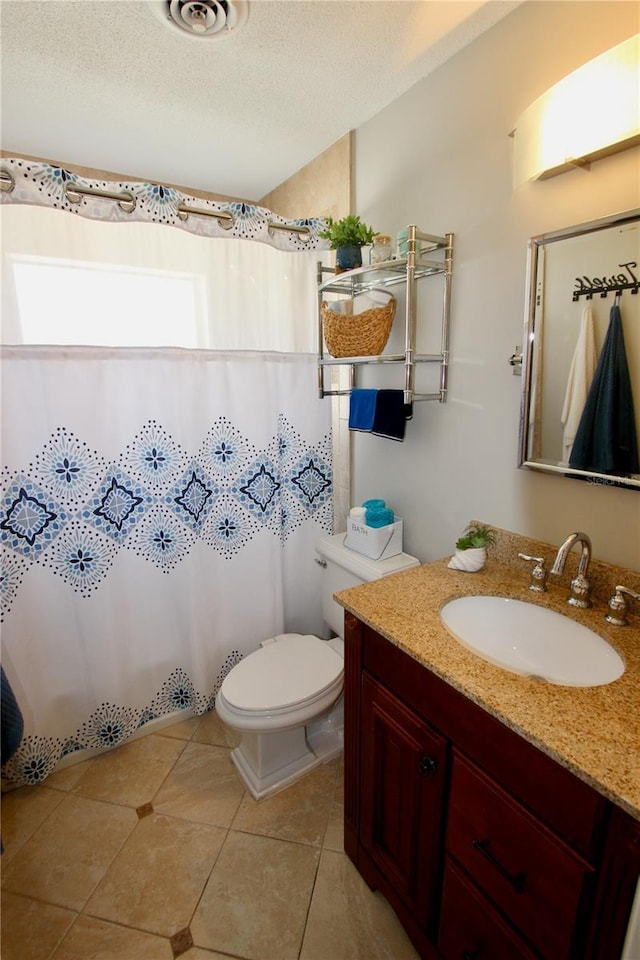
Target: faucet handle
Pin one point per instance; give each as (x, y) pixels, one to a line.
(579, 592)
(538, 582)
(618, 606)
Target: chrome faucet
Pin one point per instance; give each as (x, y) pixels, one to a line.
(579, 595)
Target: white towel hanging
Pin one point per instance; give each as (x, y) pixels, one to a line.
(581, 371)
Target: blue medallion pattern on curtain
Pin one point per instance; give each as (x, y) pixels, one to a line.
(71, 511)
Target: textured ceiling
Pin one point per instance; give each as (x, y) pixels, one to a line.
(109, 85)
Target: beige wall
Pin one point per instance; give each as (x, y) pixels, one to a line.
(323, 188)
(440, 156)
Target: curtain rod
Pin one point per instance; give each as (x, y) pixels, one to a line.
(227, 220)
(74, 192)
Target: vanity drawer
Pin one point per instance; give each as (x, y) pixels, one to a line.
(528, 872)
(470, 927)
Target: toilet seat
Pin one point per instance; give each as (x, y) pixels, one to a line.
(284, 701)
(283, 675)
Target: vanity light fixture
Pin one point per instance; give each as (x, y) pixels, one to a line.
(592, 113)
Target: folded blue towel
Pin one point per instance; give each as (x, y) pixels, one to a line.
(391, 414)
(378, 517)
(362, 408)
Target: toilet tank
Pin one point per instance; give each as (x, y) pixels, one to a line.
(343, 568)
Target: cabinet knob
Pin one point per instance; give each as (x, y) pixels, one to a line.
(427, 766)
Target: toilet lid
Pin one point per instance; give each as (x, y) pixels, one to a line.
(289, 671)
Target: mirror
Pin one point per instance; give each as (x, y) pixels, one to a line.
(578, 417)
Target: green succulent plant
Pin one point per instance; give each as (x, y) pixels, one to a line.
(348, 232)
(475, 536)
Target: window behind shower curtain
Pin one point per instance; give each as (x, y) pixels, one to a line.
(67, 279)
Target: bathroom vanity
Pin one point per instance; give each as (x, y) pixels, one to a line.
(500, 816)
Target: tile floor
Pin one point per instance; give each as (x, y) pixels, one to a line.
(155, 851)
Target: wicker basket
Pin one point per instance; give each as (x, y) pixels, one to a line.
(358, 335)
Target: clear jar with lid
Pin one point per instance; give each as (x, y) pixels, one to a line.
(380, 248)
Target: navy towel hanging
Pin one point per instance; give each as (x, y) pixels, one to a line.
(606, 439)
(391, 414)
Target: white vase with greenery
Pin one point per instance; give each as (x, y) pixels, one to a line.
(471, 549)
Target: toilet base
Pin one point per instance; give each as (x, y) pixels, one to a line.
(269, 762)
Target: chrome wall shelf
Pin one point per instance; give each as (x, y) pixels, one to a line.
(434, 259)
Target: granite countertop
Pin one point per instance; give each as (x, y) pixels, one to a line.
(592, 731)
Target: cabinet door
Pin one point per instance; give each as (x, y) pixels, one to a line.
(403, 775)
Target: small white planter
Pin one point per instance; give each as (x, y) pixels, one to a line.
(470, 560)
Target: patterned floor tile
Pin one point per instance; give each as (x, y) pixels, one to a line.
(299, 813)
(31, 930)
(156, 880)
(274, 886)
(255, 902)
(203, 786)
(347, 921)
(91, 939)
(197, 953)
(132, 773)
(334, 836)
(23, 811)
(184, 730)
(67, 777)
(212, 730)
(69, 854)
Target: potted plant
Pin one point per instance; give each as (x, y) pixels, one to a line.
(471, 548)
(347, 237)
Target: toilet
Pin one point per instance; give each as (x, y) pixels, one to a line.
(284, 700)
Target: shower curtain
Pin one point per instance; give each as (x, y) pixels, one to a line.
(159, 505)
(158, 519)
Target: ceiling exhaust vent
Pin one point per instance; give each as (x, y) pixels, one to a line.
(203, 18)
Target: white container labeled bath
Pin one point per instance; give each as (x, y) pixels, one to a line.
(377, 543)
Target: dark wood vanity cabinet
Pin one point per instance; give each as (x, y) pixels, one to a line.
(403, 773)
(485, 847)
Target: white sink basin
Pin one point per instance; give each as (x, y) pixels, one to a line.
(531, 640)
